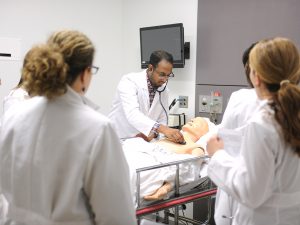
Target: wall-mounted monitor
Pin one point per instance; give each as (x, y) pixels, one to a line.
(169, 38)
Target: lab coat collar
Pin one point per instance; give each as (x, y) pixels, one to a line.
(265, 103)
(144, 77)
(73, 97)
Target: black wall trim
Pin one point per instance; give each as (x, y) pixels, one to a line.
(5, 54)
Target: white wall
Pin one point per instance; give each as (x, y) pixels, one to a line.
(34, 20)
(143, 13)
(113, 26)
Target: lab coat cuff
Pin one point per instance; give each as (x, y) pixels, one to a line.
(218, 165)
(220, 154)
(220, 159)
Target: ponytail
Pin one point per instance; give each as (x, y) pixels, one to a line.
(44, 72)
(277, 62)
(287, 113)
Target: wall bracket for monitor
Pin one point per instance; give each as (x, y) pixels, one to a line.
(186, 50)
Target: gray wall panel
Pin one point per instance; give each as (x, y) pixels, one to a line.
(226, 28)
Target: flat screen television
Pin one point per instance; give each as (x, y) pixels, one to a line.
(169, 38)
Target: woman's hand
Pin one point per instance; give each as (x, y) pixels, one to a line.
(214, 144)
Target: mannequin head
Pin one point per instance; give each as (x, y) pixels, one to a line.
(196, 128)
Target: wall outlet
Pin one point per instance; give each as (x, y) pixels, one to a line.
(183, 101)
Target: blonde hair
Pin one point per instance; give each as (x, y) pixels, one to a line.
(44, 72)
(77, 49)
(48, 69)
(276, 62)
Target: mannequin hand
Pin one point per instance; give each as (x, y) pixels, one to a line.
(214, 144)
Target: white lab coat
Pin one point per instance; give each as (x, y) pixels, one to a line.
(265, 178)
(131, 111)
(53, 151)
(241, 106)
(15, 96)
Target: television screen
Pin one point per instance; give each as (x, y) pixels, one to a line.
(169, 38)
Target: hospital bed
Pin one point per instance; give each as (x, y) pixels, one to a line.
(190, 184)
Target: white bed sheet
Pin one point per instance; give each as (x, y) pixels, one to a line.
(140, 153)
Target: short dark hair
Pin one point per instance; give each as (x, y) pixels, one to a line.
(245, 60)
(158, 56)
(246, 54)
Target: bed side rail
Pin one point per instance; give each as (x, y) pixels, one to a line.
(174, 202)
(174, 163)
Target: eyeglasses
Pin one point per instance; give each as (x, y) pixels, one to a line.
(94, 69)
(163, 75)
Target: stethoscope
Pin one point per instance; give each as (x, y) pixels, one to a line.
(162, 88)
(159, 92)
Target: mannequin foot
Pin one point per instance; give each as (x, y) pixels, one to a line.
(160, 193)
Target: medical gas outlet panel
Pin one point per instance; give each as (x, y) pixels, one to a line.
(211, 100)
(212, 103)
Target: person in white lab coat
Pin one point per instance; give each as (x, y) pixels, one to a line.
(58, 155)
(265, 178)
(140, 107)
(17, 94)
(241, 106)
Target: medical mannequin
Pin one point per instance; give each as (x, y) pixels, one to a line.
(57, 153)
(265, 178)
(192, 131)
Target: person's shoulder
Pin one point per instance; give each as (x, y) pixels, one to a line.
(18, 93)
(132, 80)
(264, 116)
(20, 110)
(135, 75)
(244, 92)
(95, 116)
(243, 96)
